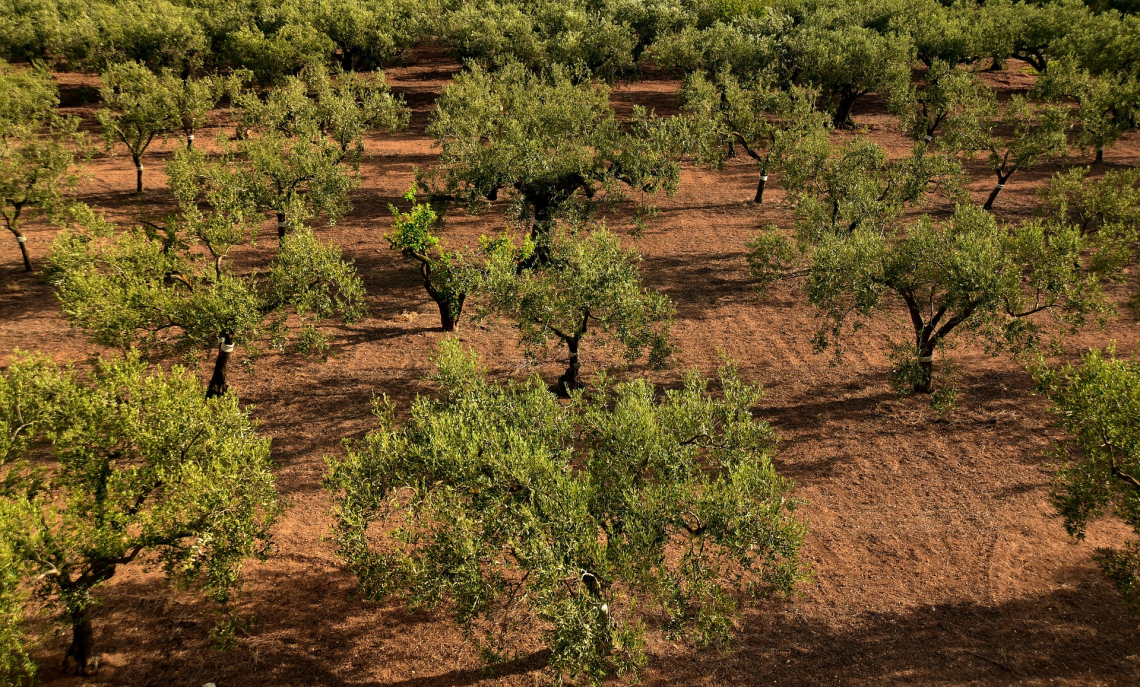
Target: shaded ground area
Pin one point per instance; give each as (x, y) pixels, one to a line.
(935, 559)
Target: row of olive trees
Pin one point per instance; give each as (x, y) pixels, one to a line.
(182, 479)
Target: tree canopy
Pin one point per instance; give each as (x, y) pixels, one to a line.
(548, 141)
(590, 289)
(1098, 467)
(968, 275)
(171, 287)
(141, 466)
(512, 508)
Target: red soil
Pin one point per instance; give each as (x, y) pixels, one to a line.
(936, 559)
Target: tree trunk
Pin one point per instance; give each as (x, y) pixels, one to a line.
(925, 383)
(189, 141)
(80, 658)
(138, 173)
(843, 118)
(570, 379)
(994, 193)
(447, 320)
(1099, 156)
(760, 188)
(280, 225)
(218, 380)
(22, 241)
(540, 234)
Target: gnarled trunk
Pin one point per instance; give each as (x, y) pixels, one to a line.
(218, 384)
(449, 317)
(1099, 156)
(80, 658)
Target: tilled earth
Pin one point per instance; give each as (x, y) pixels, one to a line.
(936, 558)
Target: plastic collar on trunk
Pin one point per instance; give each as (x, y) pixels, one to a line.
(189, 137)
(1000, 186)
(763, 177)
(225, 347)
(21, 239)
(925, 358)
(928, 138)
(140, 167)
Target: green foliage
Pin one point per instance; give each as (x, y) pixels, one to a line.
(540, 35)
(141, 466)
(37, 149)
(948, 92)
(548, 140)
(746, 46)
(1098, 404)
(298, 140)
(447, 275)
(169, 287)
(1012, 137)
(138, 109)
(1106, 106)
(835, 188)
(847, 61)
(16, 666)
(1107, 211)
(1033, 32)
(28, 97)
(770, 124)
(969, 275)
(192, 99)
(625, 504)
(952, 34)
(591, 288)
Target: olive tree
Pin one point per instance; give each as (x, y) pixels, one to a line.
(28, 97)
(304, 140)
(447, 276)
(138, 109)
(540, 35)
(591, 288)
(768, 122)
(1105, 210)
(37, 149)
(947, 92)
(838, 187)
(142, 468)
(584, 519)
(1106, 106)
(171, 287)
(1013, 137)
(193, 99)
(546, 140)
(1098, 467)
(968, 275)
(847, 61)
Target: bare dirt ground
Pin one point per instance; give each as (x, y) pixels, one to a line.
(936, 561)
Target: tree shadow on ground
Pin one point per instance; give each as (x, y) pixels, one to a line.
(1081, 632)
